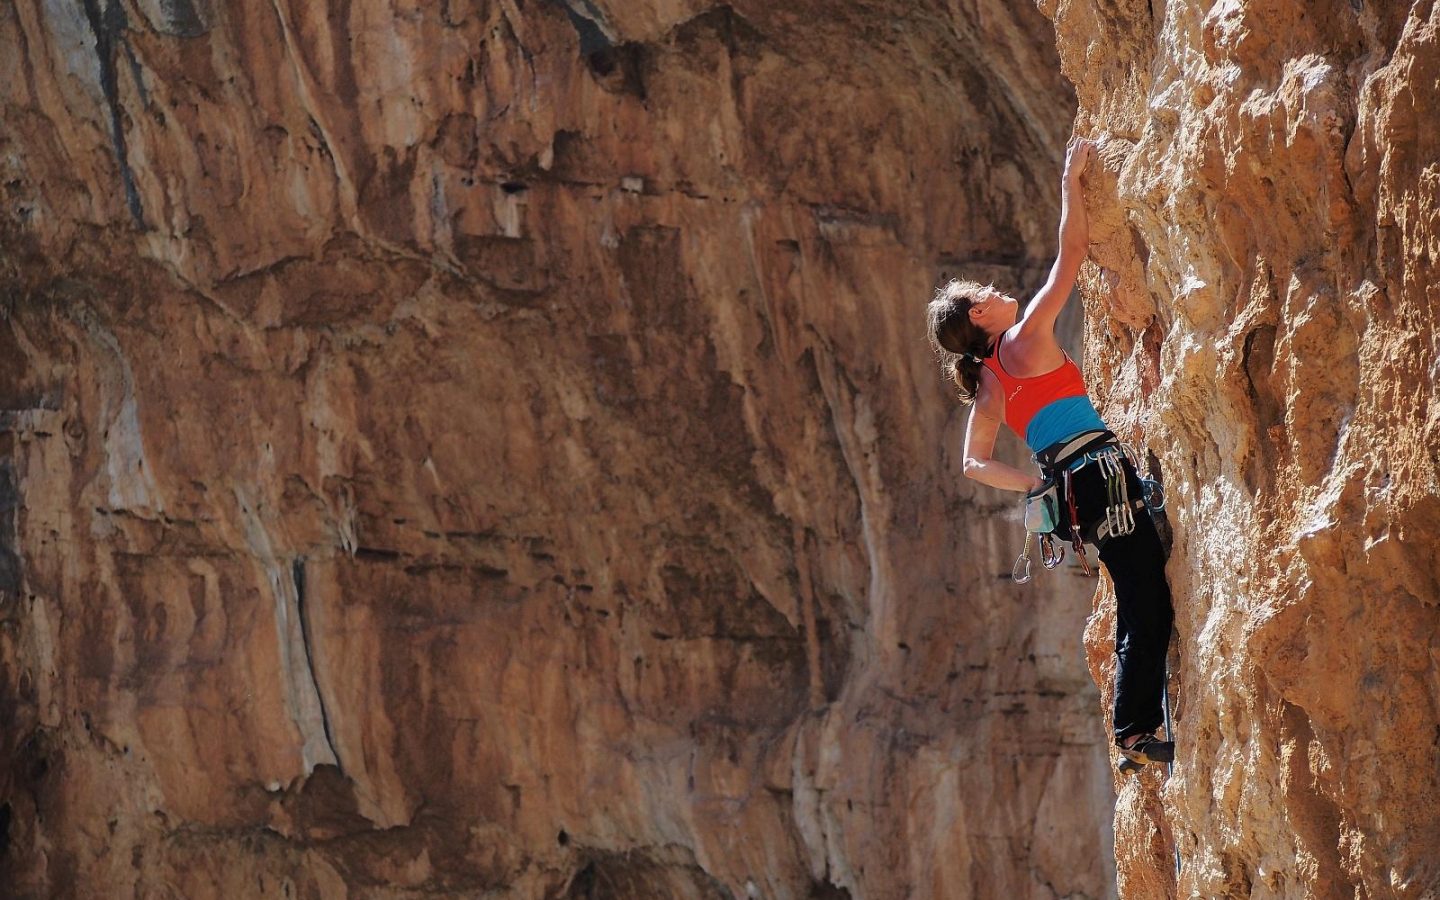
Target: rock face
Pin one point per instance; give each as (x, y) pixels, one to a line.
(490, 449)
(1264, 310)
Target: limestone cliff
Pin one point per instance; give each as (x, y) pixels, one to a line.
(490, 449)
(1263, 309)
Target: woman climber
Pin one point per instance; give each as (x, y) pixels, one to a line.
(1010, 368)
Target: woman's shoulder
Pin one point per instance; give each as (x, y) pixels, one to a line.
(1031, 332)
(1033, 349)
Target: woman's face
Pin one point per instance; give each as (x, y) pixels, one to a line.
(992, 311)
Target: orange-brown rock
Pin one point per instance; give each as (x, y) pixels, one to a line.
(1263, 308)
(490, 449)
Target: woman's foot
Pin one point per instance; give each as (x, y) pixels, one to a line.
(1145, 749)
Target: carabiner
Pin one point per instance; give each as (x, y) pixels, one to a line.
(1050, 556)
(1020, 573)
(1154, 493)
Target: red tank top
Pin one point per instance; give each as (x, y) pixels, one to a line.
(1024, 397)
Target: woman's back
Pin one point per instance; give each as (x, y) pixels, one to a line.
(1046, 407)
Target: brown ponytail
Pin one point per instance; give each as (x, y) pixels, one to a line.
(961, 344)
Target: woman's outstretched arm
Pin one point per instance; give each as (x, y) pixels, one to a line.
(1074, 243)
(985, 417)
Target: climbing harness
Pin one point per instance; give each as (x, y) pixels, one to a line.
(1052, 505)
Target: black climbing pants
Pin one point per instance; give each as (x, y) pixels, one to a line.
(1136, 563)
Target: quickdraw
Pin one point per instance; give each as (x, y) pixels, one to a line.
(1076, 540)
(1119, 515)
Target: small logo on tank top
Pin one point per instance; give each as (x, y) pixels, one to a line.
(1014, 394)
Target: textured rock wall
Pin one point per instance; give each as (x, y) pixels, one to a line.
(491, 449)
(1264, 311)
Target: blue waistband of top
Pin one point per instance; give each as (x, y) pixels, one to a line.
(1062, 420)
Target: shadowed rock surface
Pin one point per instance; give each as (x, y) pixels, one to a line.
(490, 449)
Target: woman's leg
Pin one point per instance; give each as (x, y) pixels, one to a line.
(1143, 615)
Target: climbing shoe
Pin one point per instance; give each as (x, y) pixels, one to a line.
(1148, 749)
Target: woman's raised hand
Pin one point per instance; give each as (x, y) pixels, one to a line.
(1077, 154)
(1042, 312)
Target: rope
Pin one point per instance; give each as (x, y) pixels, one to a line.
(1170, 766)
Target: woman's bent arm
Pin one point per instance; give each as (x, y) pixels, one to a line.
(980, 443)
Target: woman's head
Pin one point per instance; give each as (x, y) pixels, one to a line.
(962, 319)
